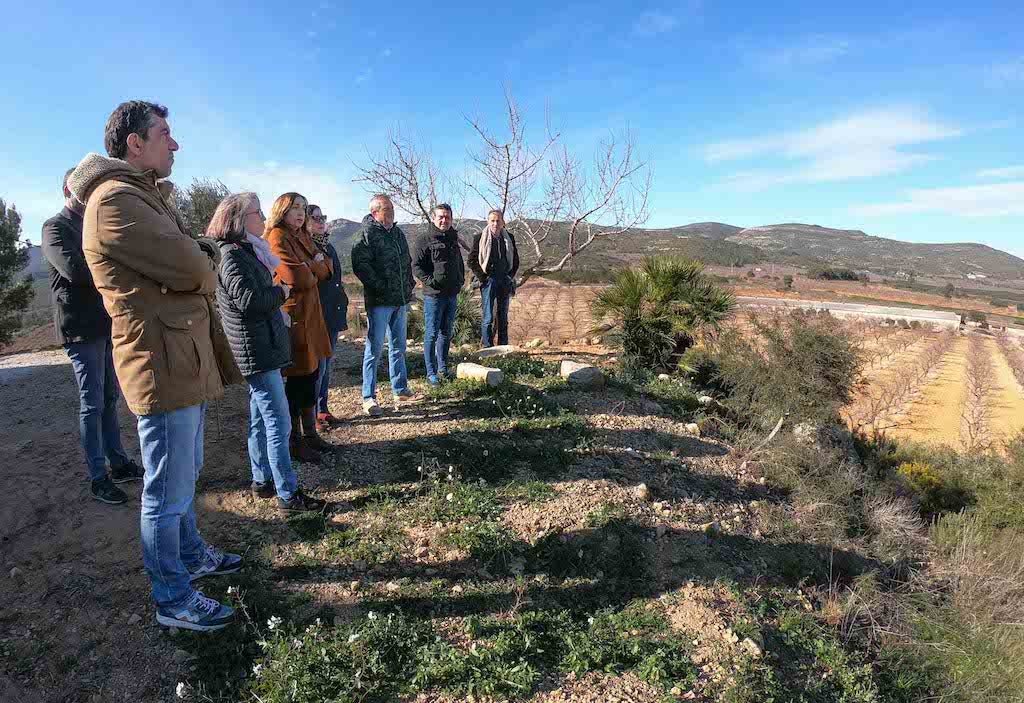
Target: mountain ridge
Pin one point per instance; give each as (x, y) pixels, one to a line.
(789, 242)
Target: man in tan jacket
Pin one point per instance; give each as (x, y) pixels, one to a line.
(170, 355)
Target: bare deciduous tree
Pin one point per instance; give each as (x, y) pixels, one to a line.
(545, 191)
(408, 173)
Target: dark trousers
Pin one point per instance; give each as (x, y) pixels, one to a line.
(495, 313)
(98, 392)
(301, 392)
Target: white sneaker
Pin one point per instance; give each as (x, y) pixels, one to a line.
(371, 408)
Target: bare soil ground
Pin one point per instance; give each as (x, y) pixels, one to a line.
(936, 415)
(78, 624)
(1007, 406)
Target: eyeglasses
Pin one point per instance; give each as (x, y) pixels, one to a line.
(255, 212)
(319, 218)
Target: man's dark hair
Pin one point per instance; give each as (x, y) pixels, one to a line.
(67, 175)
(443, 206)
(132, 117)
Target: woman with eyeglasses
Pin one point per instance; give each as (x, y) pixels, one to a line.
(302, 266)
(250, 307)
(334, 303)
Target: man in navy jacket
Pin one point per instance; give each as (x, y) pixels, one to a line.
(82, 327)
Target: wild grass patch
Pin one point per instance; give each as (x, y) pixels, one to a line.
(386, 655)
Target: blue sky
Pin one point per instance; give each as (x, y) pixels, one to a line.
(903, 120)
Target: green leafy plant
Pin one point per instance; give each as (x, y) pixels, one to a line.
(659, 310)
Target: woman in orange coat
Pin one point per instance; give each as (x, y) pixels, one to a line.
(302, 267)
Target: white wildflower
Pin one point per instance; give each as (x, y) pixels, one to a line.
(274, 622)
(371, 615)
(352, 638)
(181, 690)
(256, 669)
(232, 590)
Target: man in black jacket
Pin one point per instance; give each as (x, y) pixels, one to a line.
(495, 262)
(437, 263)
(83, 327)
(382, 263)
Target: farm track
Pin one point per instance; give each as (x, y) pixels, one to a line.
(935, 416)
(1007, 404)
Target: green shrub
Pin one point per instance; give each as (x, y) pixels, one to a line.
(384, 656)
(522, 366)
(659, 310)
(674, 394)
(934, 492)
(800, 367)
(700, 366)
(414, 323)
(468, 317)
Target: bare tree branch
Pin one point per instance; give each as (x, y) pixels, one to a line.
(543, 190)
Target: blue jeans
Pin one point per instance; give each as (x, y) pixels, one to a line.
(390, 321)
(323, 379)
(98, 391)
(438, 320)
(172, 453)
(269, 429)
(495, 314)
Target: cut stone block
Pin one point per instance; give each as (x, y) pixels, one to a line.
(500, 350)
(476, 372)
(582, 375)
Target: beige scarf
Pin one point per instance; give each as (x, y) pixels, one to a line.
(487, 243)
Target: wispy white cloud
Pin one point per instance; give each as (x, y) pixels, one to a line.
(338, 198)
(861, 145)
(1000, 174)
(991, 200)
(654, 22)
(807, 52)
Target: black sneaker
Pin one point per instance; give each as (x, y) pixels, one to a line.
(104, 490)
(129, 472)
(263, 490)
(301, 503)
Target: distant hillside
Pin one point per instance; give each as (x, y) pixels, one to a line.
(711, 230)
(858, 250)
(726, 245)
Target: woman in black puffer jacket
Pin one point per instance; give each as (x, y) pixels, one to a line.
(250, 309)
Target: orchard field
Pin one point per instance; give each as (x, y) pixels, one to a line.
(961, 391)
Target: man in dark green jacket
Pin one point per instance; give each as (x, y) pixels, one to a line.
(381, 261)
(437, 262)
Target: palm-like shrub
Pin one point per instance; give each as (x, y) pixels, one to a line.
(468, 318)
(659, 310)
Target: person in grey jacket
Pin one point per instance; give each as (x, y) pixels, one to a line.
(437, 263)
(82, 327)
(250, 309)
